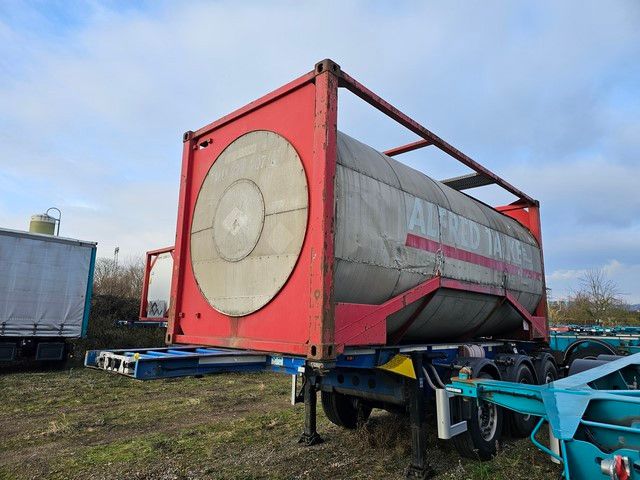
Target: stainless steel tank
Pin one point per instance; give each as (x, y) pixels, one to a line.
(394, 229)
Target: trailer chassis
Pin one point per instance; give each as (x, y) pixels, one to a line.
(583, 341)
(409, 379)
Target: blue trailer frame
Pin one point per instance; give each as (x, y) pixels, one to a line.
(625, 340)
(190, 360)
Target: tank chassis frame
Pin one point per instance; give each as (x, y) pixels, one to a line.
(525, 210)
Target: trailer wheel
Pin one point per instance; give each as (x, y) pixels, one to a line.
(522, 425)
(549, 373)
(483, 431)
(586, 348)
(344, 411)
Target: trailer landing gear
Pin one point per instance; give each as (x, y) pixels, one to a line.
(310, 435)
(418, 469)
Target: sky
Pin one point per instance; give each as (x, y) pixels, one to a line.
(95, 96)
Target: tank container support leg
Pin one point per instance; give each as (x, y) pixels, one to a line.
(310, 435)
(418, 469)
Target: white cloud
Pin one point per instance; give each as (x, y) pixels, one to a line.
(567, 281)
(609, 269)
(563, 275)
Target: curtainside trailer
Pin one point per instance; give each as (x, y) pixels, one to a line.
(45, 294)
(302, 250)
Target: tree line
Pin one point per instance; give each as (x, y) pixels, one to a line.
(596, 302)
(114, 279)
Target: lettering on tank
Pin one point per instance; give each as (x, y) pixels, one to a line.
(431, 227)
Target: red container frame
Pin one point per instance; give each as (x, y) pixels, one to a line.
(303, 318)
(151, 258)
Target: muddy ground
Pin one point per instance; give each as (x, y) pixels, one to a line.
(81, 423)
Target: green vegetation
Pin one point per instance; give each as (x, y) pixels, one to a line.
(596, 302)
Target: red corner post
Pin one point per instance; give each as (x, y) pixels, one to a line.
(536, 229)
(321, 221)
(148, 265)
(528, 214)
(152, 257)
(182, 235)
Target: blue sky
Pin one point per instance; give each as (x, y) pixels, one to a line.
(94, 97)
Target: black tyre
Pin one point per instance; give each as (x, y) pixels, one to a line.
(588, 349)
(480, 441)
(549, 373)
(344, 411)
(522, 425)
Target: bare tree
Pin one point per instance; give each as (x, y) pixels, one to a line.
(597, 301)
(599, 295)
(118, 279)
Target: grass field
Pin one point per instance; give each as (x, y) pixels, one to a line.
(80, 423)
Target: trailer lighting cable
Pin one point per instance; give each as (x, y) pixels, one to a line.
(436, 375)
(428, 379)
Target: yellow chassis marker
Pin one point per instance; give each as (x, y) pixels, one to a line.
(400, 365)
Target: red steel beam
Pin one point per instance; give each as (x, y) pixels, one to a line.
(321, 213)
(529, 216)
(409, 147)
(354, 320)
(159, 251)
(369, 321)
(182, 236)
(268, 98)
(538, 325)
(376, 101)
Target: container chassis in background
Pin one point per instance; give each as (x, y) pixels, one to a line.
(572, 342)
